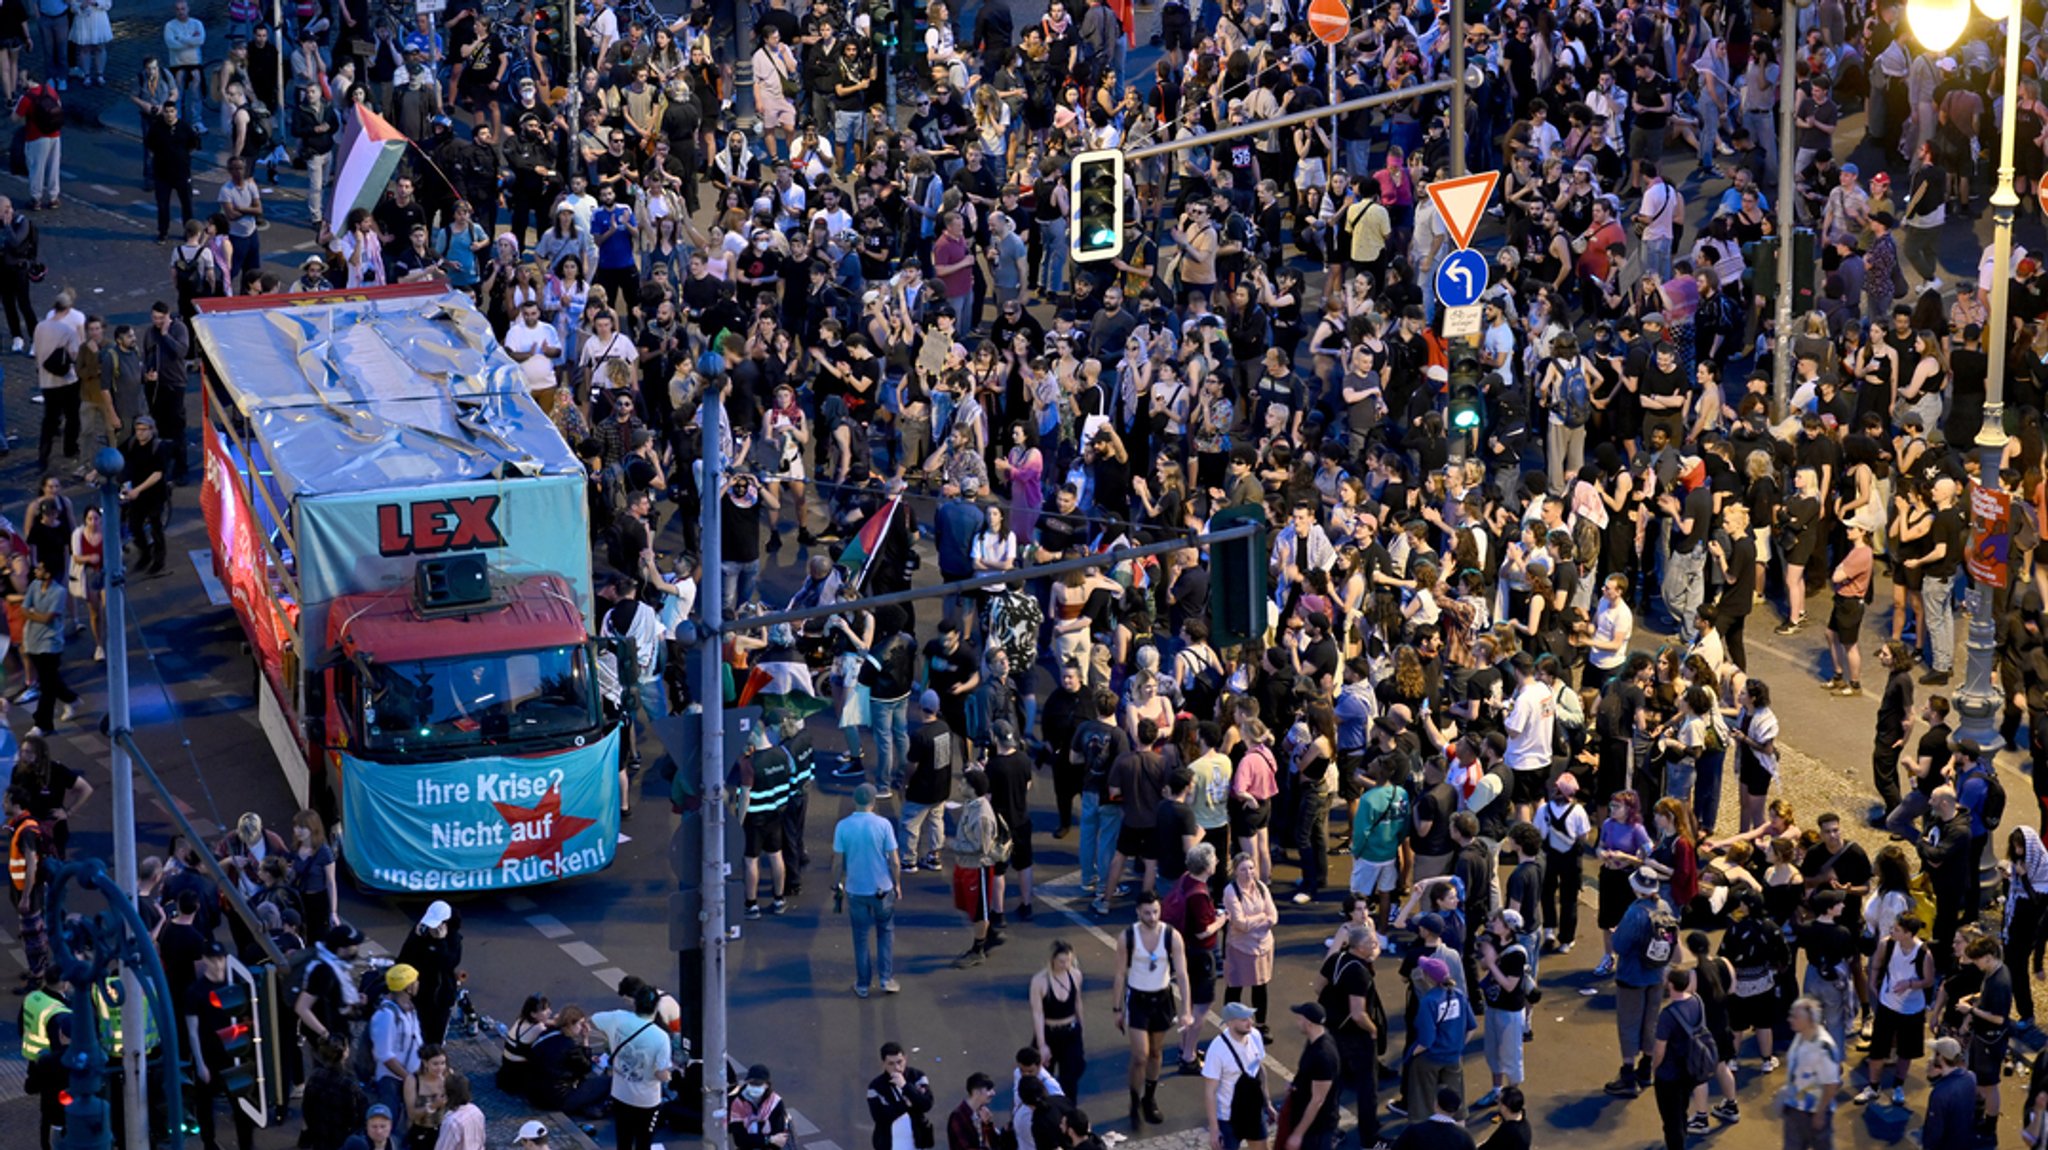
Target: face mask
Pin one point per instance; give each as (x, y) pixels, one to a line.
(754, 1093)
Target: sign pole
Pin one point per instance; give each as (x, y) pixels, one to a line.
(710, 661)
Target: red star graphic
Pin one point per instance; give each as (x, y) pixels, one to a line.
(546, 828)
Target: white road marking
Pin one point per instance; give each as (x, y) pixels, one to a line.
(103, 189)
(584, 953)
(610, 976)
(550, 927)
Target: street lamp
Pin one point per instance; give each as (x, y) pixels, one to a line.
(1937, 23)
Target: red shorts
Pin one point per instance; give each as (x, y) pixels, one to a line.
(973, 890)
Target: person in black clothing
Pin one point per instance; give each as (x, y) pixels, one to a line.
(434, 948)
(900, 1096)
(1311, 1101)
(1682, 1015)
(170, 141)
(1989, 1016)
(1736, 559)
(1009, 772)
(203, 1022)
(1513, 1132)
(559, 1076)
(1893, 711)
(1350, 1000)
(1945, 856)
(148, 462)
(1442, 1131)
(1059, 717)
(931, 760)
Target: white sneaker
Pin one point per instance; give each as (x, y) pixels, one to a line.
(17, 343)
(99, 654)
(1769, 1064)
(36, 732)
(69, 713)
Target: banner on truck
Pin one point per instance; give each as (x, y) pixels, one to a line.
(483, 823)
(364, 540)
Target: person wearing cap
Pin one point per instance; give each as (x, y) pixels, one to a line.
(394, 1036)
(866, 867)
(434, 949)
(209, 1059)
(1645, 942)
(1311, 1107)
(1951, 1122)
(758, 1119)
(930, 762)
(1436, 1047)
(327, 992)
(533, 1135)
(1234, 1083)
(378, 1131)
(1566, 832)
(1847, 209)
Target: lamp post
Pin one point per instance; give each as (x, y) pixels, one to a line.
(1937, 23)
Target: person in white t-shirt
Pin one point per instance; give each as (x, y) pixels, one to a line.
(1235, 1053)
(641, 1060)
(1613, 625)
(1531, 724)
(533, 345)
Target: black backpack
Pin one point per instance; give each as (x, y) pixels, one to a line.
(195, 275)
(1993, 812)
(1097, 744)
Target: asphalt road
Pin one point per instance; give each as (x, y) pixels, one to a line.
(790, 977)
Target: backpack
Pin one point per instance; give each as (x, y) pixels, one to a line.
(362, 1054)
(45, 109)
(1994, 801)
(1173, 905)
(257, 134)
(1702, 1055)
(1662, 944)
(614, 491)
(1574, 397)
(1204, 689)
(197, 276)
(1098, 746)
(297, 966)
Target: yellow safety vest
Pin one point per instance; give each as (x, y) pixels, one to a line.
(36, 1014)
(109, 1012)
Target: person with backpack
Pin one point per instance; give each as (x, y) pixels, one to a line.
(1902, 975)
(1981, 793)
(40, 112)
(1645, 942)
(641, 1061)
(1567, 394)
(1684, 1055)
(980, 847)
(20, 245)
(1436, 1053)
(393, 1038)
(1151, 977)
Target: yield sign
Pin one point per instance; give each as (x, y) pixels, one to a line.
(1330, 20)
(1462, 201)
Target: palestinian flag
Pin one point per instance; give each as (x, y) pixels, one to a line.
(781, 687)
(369, 151)
(866, 543)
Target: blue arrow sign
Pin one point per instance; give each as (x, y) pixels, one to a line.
(1460, 278)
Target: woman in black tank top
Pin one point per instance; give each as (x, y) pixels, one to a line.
(1056, 1018)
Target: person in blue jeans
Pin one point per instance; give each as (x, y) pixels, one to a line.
(865, 867)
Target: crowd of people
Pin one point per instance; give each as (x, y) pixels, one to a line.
(1501, 651)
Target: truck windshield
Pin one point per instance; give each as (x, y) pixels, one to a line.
(441, 704)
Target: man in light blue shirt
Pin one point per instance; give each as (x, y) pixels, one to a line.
(866, 868)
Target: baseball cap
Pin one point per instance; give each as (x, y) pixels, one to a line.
(1310, 1011)
(1566, 784)
(401, 977)
(438, 912)
(1643, 881)
(532, 1131)
(1431, 922)
(1948, 1050)
(378, 1111)
(1238, 1012)
(1434, 969)
(214, 948)
(929, 700)
(1513, 919)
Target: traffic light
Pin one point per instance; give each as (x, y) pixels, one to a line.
(1467, 409)
(1238, 602)
(242, 1040)
(1097, 231)
(1760, 271)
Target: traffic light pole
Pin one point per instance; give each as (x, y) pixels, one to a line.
(134, 1027)
(1457, 33)
(710, 662)
(1362, 103)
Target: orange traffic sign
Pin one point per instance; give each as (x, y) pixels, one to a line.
(1461, 202)
(1330, 20)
